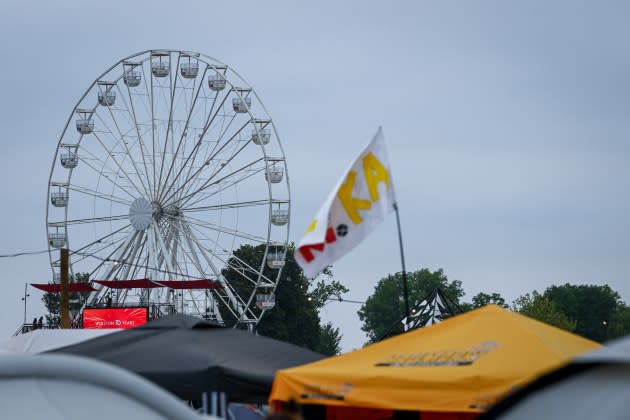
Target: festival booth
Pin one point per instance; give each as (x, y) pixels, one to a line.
(452, 370)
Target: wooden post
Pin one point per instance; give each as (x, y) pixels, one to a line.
(65, 309)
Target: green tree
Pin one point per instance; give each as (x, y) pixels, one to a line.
(386, 306)
(591, 306)
(324, 290)
(483, 299)
(295, 317)
(619, 325)
(540, 307)
(52, 301)
(330, 339)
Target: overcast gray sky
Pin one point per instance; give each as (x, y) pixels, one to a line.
(506, 125)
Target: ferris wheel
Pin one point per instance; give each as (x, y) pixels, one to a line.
(167, 165)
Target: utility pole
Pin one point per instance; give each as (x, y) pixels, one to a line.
(24, 299)
(65, 315)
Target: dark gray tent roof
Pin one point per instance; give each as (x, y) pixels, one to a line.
(188, 356)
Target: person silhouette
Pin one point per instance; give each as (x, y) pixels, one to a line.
(35, 323)
(40, 323)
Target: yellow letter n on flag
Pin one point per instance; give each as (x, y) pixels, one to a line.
(360, 201)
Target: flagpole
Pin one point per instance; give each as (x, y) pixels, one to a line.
(402, 259)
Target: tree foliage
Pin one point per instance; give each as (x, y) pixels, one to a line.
(324, 291)
(540, 307)
(591, 306)
(619, 325)
(384, 309)
(330, 340)
(295, 317)
(483, 299)
(52, 301)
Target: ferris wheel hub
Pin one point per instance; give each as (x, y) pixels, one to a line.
(141, 213)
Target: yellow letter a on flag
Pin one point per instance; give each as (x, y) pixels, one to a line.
(374, 172)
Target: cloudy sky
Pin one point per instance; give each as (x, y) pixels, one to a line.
(506, 124)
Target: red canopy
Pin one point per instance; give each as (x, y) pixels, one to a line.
(150, 284)
(128, 284)
(191, 284)
(56, 288)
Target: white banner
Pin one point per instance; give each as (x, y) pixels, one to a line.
(360, 201)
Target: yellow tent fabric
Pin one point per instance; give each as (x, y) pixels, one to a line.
(462, 365)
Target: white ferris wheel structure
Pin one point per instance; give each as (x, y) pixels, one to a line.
(167, 165)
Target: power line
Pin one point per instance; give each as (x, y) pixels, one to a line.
(340, 299)
(19, 254)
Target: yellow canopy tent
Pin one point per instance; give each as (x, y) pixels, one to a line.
(451, 370)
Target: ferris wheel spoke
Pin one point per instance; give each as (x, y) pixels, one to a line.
(172, 243)
(145, 100)
(120, 168)
(164, 256)
(97, 194)
(192, 256)
(91, 220)
(226, 261)
(102, 173)
(168, 254)
(238, 176)
(108, 258)
(236, 205)
(151, 96)
(213, 155)
(137, 266)
(220, 186)
(186, 126)
(234, 298)
(194, 151)
(193, 154)
(210, 120)
(128, 260)
(136, 126)
(118, 262)
(83, 250)
(161, 254)
(182, 232)
(100, 240)
(120, 249)
(195, 248)
(239, 269)
(169, 126)
(122, 140)
(167, 239)
(185, 186)
(217, 228)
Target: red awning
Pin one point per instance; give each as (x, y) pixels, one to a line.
(191, 284)
(150, 284)
(128, 284)
(56, 288)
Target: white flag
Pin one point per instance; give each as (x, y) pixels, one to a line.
(359, 202)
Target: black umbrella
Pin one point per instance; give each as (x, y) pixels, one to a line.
(189, 356)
